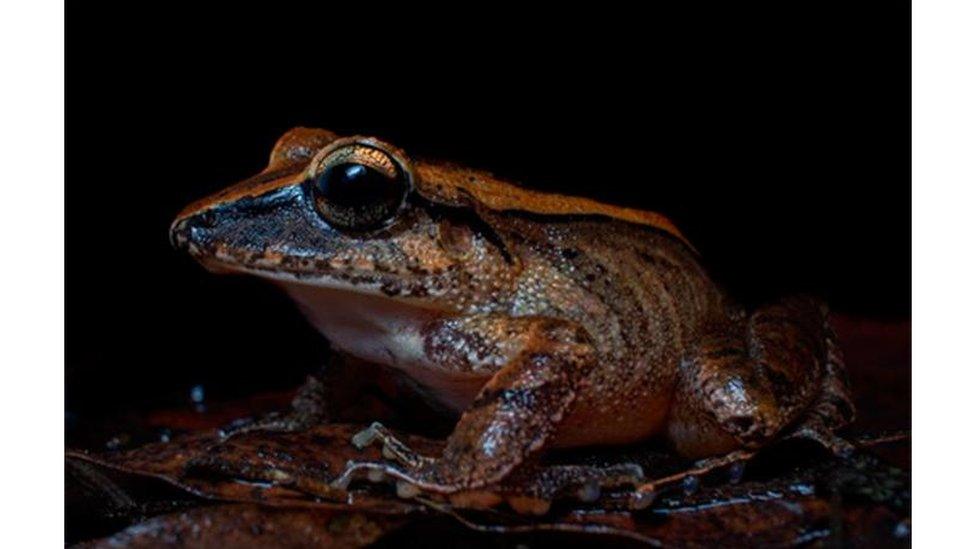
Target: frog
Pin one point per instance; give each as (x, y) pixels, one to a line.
(542, 321)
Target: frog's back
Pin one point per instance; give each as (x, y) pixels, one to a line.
(624, 282)
(449, 184)
(599, 260)
(639, 292)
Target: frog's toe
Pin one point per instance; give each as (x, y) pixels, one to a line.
(529, 505)
(835, 444)
(373, 471)
(376, 476)
(643, 497)
(475, 499)
(407, 490)
(689, 480)
(367, 436)
(533, 491)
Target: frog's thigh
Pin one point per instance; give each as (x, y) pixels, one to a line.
(741, 386)
(517, 410)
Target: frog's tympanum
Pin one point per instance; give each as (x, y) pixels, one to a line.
(545, 321)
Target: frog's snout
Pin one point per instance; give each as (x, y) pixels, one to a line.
(185, 233)
(194, 235)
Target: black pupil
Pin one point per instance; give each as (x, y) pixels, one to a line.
(356, 196)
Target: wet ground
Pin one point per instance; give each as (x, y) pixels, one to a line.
(164, 475)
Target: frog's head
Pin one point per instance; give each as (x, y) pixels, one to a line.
(348, 214)
(351, 229)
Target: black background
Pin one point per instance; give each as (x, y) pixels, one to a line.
(776, 138)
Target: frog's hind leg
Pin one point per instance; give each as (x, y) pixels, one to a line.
(833, 407)
(743, 385)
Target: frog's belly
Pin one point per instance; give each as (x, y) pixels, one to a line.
(388, 332)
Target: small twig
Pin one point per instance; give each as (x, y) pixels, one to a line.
(894, 436)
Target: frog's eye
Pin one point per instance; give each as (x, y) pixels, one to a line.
(358, 187)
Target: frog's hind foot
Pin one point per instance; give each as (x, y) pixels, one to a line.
(583, 483)
(833, 408)
(531, 490)
(690, 479)
(778, 372)
(837, 445)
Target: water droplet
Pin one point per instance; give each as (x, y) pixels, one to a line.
(643, 499)
(690, 485)
(589, 492)
(803, 489)
(736, 471)
(196, 394)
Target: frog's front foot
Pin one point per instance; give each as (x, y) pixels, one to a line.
(530, 490)
(413, 472)
(512, 417)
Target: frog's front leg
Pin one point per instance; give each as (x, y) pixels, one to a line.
(539, 365)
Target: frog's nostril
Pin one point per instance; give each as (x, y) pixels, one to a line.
(179, 234)
(184, 231)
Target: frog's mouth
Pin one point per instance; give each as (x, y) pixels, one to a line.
(220, 257)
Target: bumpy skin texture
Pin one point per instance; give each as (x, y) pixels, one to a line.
(550, 321)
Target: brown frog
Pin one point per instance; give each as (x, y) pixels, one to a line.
(546, 321)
